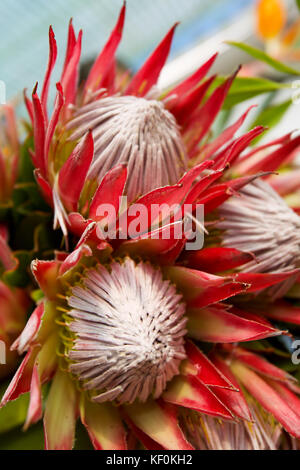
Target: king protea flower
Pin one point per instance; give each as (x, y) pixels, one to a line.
(132, 123)
(263, 218)
(115, 335)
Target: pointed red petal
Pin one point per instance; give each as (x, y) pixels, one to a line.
(282, 311)
(225, 136)
(70, 46)
(74, 258)
(73, 173)
(51, 63)
(191, 282)
(289, 397)
(202, 185)
(260, 281)
(193, 79)
(187, 104)
(109, 191)
(190, 392)
(148, 75)
(158, 244)
(190, 176)
(69, 79)
(268, 398)
(103, 63)
(60, 413)
(158, 420)
(217, 325)
(205, 116)
(208, 373)
(45, 273)
(103, 424)
(44, 187)
(147, 442)
(232, 152)
(158, 204)
(78, 224)
(35, 409)
(59, 101)
(261, 365)
(284, 139)
(30, 331)
(39, 125)
(217, 294)
(253, 316)
(21, 381)
(216, 259)
(271, 161)
(234, 400)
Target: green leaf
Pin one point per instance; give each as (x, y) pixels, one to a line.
(270, 116)
(298, 3)
(244, 88)
(262, 56)
(14, 413)
(32, 439)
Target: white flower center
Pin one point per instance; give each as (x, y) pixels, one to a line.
(137, 131)
(261, 222)
(130, 326)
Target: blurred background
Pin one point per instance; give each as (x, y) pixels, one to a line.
(204, 27)
(24, 25)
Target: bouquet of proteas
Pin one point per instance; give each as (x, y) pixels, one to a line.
(155, 259)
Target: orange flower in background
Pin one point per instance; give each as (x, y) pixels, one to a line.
(281, 40)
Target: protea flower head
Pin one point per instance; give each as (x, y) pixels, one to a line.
(116, 336)
(131, 123)
(258, 219)
(261, 222)
(9, 153)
